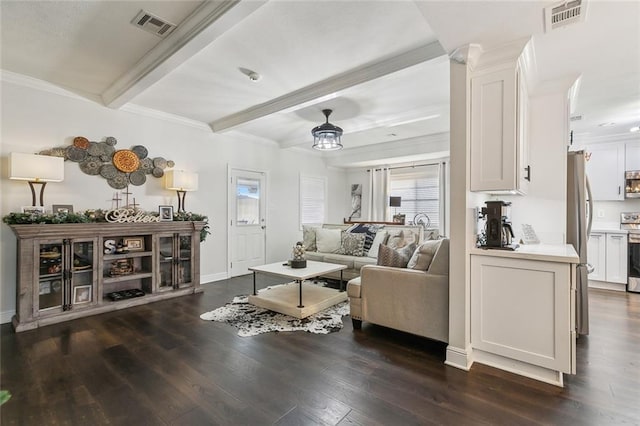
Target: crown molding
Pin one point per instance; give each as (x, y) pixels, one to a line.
(612, 138)
(195, 33)
(467, 55)
(331, 85)
(44, 86)
(505, 54)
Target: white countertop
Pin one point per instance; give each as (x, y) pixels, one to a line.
(564, 253)
(608, 230)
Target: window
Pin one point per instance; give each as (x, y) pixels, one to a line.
(312, 199)
(419, 189)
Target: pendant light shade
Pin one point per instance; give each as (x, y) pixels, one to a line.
(326, 137)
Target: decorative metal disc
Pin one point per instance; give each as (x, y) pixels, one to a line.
(76, 154)
(157, 172)
(94, 149)
(111, 141)
(146, 164)
(118, 182)
(126, 161)
(81, 142)
(170, 163)
(108, 171)
(91, 165)
(137, 178)
(159, 162)
(107, 150)
(140, 151)
(58, 152)
(105, 158)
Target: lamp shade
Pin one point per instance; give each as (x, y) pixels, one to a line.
(36, 168)
(395, 201)
(179, 180)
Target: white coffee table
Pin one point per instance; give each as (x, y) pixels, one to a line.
(282, 298)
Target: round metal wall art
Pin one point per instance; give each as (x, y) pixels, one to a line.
(119, 167)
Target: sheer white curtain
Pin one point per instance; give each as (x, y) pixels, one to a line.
(378, 194)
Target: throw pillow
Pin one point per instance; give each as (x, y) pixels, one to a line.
(381, 238)
(396, 239)
(309, 237)
(388, 256)
(369, 230)
(352, 244)
(423, 255)
(328, 240)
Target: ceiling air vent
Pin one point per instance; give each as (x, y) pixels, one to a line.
(575, 118)
(153, 24)
(563, 14)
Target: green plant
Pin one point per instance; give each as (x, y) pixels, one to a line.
(196, 217)
(4, 396)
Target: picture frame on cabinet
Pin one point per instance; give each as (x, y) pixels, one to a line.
(81, 294)
(32, 209)
(166, 213)
(133, 243)
(62, 208)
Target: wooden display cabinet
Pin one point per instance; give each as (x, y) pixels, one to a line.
(67, 271)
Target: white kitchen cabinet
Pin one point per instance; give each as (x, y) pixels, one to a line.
(607, 254)
(605, 168)
(523, 314)
(616, 258)
(632, 156)
(499, 128)
(597, 255)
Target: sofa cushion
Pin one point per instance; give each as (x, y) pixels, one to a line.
(396, 239)
(369, 230)
(388, 256)
(352, 244)
(353, 287)
(340, 259)
(423, 255)
(361, 261)
(315, 255)
(381, 238)
(328, 240)
(309, 237)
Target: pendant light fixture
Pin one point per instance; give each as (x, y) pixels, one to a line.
(326, 137)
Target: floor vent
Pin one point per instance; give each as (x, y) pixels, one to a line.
(153, 24)
(563, 14)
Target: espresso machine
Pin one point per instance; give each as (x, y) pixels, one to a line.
(499, 233)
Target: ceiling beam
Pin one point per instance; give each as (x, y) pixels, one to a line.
(312, 93)
(208, 22)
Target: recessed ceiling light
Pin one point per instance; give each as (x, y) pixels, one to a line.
(606, 124)
(634, 129)
(253, 76)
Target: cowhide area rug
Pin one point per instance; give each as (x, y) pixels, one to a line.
(252, 320)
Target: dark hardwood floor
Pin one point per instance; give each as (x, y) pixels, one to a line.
(160, 364)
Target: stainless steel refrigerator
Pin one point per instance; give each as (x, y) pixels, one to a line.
(579, 218)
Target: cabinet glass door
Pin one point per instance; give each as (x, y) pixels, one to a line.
(50, 275)
(83, 274)
(184, 277)
(165, 274)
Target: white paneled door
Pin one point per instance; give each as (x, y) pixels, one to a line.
(247, 224)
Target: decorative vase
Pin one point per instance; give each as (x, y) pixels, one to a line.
(298, 260)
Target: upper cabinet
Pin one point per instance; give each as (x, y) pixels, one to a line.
(605, 168)
(632, 156)
(499, 129)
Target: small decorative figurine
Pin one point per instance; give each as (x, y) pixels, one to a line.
(299, 260)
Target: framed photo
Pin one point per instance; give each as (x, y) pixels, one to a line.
(166, 213)
(133, 243)
(33, 209)
(81, 294)
(62, 208)
(45, 287)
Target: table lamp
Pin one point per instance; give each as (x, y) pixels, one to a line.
(181, 182)
(36, 169)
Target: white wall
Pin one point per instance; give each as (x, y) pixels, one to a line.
(33, 120)
(608, 212)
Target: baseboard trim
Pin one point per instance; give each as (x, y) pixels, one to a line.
(6, 316)
(531, 371)
(209, 278)
(459, 358)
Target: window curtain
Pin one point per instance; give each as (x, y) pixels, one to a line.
(379, 194)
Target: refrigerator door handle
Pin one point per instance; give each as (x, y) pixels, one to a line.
(590, 268)
(590, 201)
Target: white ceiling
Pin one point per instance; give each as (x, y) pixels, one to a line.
(381, 65)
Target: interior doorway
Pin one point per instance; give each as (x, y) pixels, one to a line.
(247, 222)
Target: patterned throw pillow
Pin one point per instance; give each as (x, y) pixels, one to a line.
(369, 230)
(380, 239)
(309, 237)
(423, 255)
(352, 244)
(396, 239)
(388, 256)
